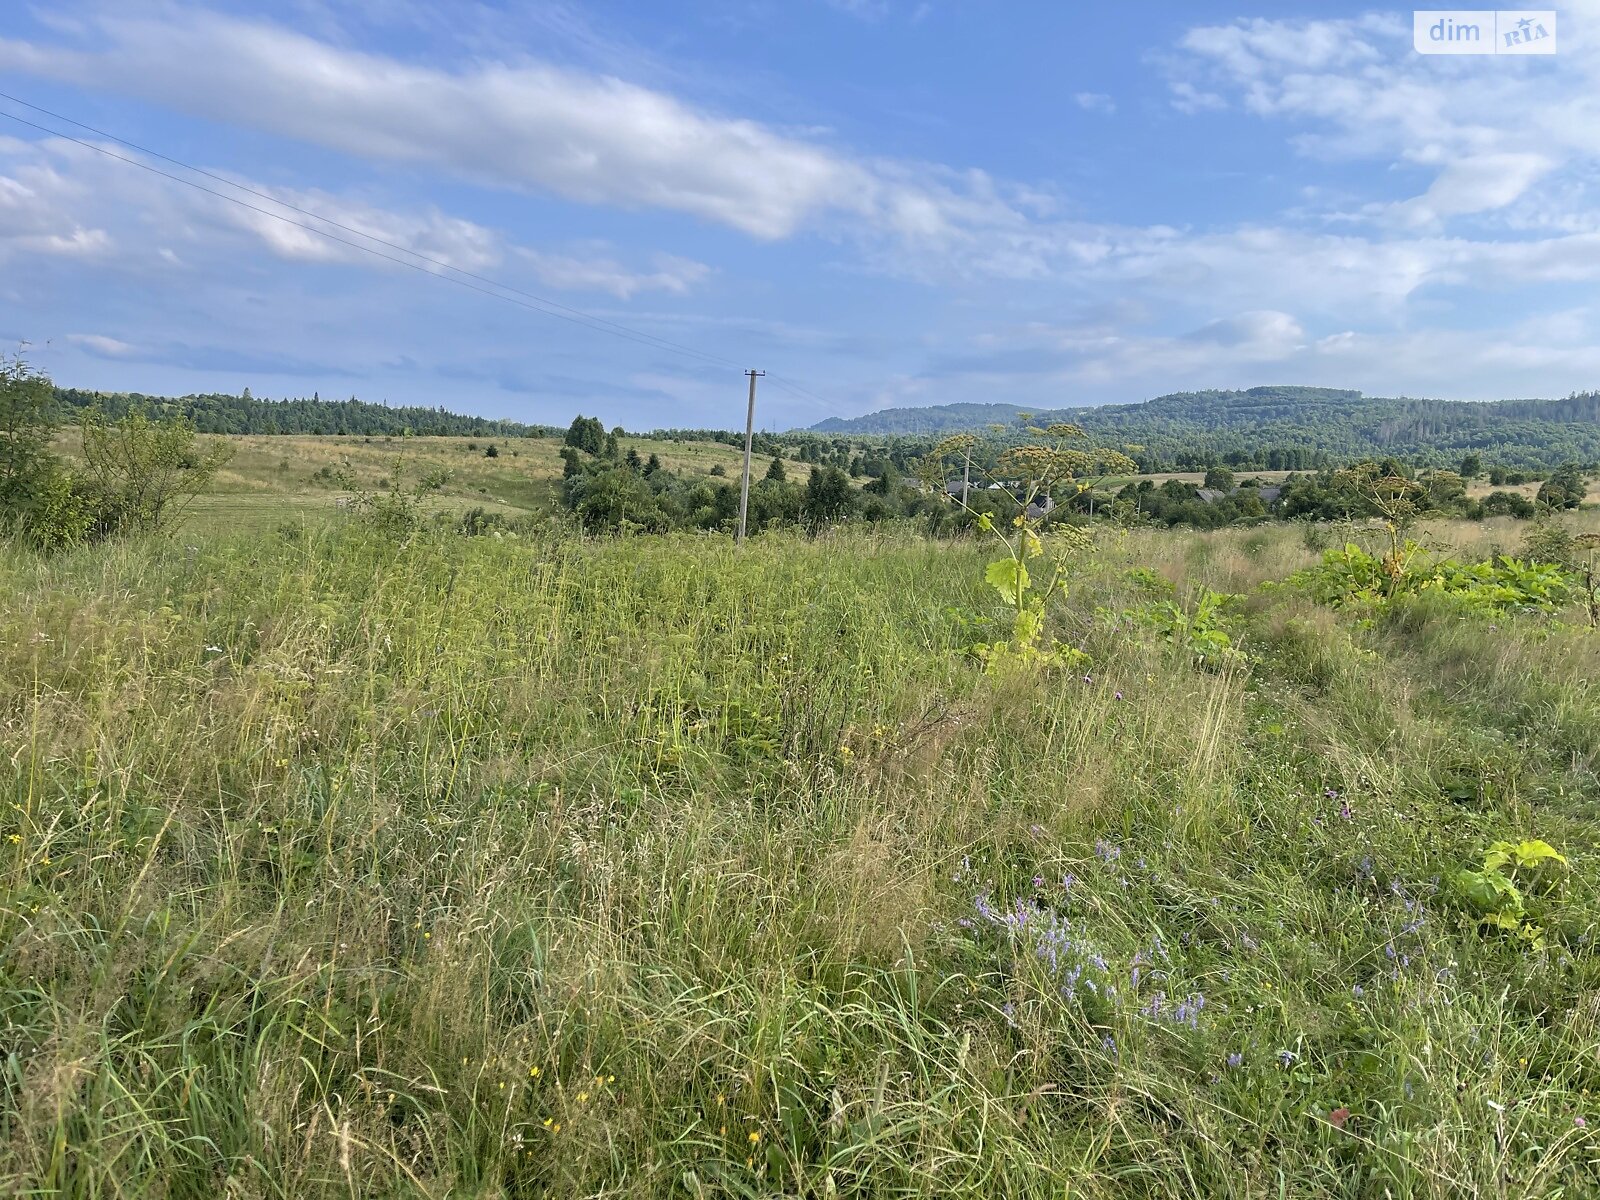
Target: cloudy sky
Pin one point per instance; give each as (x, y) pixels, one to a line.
(881, 202)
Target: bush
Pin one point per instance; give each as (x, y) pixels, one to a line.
(1564, 489)
(141, 474)
(1550, 542)
(1351, 576)
(1507, 504)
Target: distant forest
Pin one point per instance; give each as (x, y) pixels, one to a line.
(246, 414)
(1287, 428)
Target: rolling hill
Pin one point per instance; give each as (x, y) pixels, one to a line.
(1291, 427)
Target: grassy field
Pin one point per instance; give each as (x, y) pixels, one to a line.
(512, 867)
(272, 479)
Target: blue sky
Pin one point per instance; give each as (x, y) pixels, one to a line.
(881, 202)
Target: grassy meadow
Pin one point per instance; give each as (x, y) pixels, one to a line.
(338, 865)
(276, 478)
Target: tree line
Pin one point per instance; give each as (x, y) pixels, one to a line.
(245, 413)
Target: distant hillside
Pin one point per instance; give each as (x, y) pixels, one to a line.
(940, 418)
(1292, 428)
(246, 414)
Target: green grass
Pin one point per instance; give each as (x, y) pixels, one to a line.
(509, 867)
(276, 479)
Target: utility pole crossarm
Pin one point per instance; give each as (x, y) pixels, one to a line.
(749, 439)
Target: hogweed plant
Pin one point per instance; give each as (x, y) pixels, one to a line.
(1030, 477)
(1394, 498)
(1589, 543)
(1513, 873)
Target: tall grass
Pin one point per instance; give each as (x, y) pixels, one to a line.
(480, 867)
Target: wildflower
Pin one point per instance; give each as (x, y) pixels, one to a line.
(1338, 1117)
(583, 1097)
(1118, 696)
(1287, 1057)
(755, 1136)
(1236, 1060)
(1579, 1122)
(1038, 881)
(15, 839)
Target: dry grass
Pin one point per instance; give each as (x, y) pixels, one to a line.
(536, 866)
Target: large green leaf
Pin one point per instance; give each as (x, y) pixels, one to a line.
(1008, 577)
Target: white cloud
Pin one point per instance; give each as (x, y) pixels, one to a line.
(1261, 332)
(32, 220)
(1495, 133)
(523, 125)
(444, 239)
(599, 273)
(866, 10)
(1097, 102)
(100, 344)
(1056, 366)
(1477, 183)
(58, 198)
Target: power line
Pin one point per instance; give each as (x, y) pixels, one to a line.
(458, 275)
(797, 390)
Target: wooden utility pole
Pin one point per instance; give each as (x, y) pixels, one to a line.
(749, 438)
